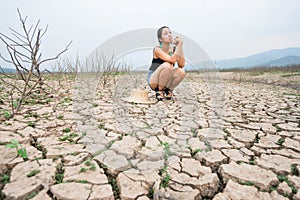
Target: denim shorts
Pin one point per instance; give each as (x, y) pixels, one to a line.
(150, 72)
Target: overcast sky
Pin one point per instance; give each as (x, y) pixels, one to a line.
(223, 28)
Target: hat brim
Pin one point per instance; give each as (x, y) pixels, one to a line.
(130, 100)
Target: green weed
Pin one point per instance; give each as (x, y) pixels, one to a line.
(33, 173)
(21, 152)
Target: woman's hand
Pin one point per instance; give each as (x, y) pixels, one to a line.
(177, 40)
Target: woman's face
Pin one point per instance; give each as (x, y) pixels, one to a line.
(166, 36)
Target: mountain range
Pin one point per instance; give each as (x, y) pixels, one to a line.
(275, 57)
(271, 58)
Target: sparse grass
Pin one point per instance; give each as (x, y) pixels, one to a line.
(59, 174)
(70, 137)
(257, 138)
(289, 75)
(282, 178)
(101, 125)
(113, 182)
(61, 117)
(291, 94)
(193, 153)
(21, 152)
(280, 141)
(82, 169)
(294, 170)
(5, 179)
(33, 173)
(248, 183)
(194, 132)
(251, 162)
(92, 168)
(166, 149)
(165, 181)
(88, 162)
(6, 114)
(66, 130)
(150, 193)
(31, 124)
(278, 129)
(82, 181)
(31, 195)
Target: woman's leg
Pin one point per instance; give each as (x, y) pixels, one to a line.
(161, 76)
(177, 76)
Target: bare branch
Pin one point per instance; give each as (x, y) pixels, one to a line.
(35, 28)
(15, 32)
(7, 83)
(4, 59)
(44, 31)
(63, 51)
(10, 45)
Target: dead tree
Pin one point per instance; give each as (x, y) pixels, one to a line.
(24, 55)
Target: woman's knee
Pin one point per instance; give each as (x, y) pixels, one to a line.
(166, 66)
(181, 72)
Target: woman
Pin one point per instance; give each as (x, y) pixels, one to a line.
(162, 76)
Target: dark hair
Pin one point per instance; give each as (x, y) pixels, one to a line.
(159, 32)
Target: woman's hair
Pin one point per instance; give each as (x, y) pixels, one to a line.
(159, 32)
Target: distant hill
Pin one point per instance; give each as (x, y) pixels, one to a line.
(275, 57)
(7, 70)
(287, 60)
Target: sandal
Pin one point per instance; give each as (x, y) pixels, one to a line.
(169, 93)
(159, 95)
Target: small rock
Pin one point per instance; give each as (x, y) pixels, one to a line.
(193, 167)
(292, 144)
(235, 191)
(127, 146)
(42, 195)
(213, 159)
(71, 191)
(150, 165)
(88, 171)
(295, 180)
(288, 127)
(103, 192)
(63, 149)
(171, 194)
(210, 133)
(71, 160)
(245, 136)
(220, 144)
(235, 155)
(143, 198)
(284, 189)
(46, 169)
(262, 178)
(208, 185)
(22, 188)
(275, 195)
(268, 141)
(277, 163)
(297, 195)
(115, 163)
(130, 189)
(7, 136)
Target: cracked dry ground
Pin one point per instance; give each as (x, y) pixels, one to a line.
(184, 149)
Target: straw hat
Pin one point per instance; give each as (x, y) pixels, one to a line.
(139, 96)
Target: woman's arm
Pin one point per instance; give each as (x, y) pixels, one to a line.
(159, 53)
(180, 58)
